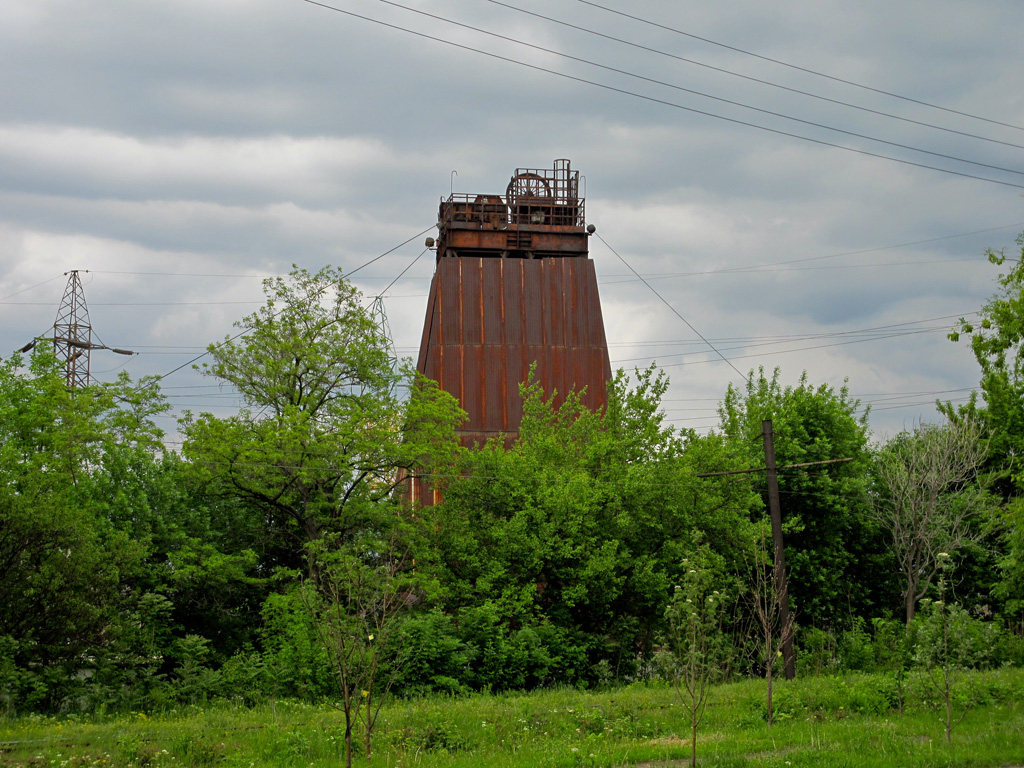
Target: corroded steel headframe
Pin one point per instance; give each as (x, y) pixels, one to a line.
(541, 215)
(514, 287)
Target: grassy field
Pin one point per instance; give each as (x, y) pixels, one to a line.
(822, 721)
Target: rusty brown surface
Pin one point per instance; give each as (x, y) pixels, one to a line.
(489, 319)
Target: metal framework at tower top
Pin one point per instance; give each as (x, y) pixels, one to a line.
(72, 333)
(540, 216)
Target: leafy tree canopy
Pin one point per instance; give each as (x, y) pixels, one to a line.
(832, 545)
(995, 339)
(66, 555)
(580, 527)
(328, 426)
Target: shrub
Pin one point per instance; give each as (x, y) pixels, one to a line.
(854, 650)
(816, 652)
(433, 657)
(295, 661)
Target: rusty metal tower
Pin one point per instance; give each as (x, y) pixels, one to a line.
(72, 333)
(514, 286)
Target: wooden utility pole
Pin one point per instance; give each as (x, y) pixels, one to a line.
(781, 588)
(771, 470)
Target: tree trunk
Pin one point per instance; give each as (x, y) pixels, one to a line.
(348, 736)
(693, 741)
(910, 602)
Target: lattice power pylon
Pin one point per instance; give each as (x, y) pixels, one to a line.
(379, 316)
(72, 333)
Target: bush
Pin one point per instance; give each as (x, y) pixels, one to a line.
(871, 695)
(431, 656)
(816, 652)
(502, 659)
(295, 661)
(854, 651)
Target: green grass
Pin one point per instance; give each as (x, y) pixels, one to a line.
(823, 721)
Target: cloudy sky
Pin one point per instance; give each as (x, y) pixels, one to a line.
(809, 185)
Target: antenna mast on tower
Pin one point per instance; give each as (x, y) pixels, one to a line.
(72, 333)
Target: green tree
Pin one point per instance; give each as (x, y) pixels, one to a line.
(832, 544)
(995, 339)
(356, 607)
(697, 645)
(578, 529)
(324, 436)
(945, 648)
(68, 565)
(767, 589)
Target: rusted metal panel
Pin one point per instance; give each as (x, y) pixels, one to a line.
(513, 299)
(532, 309)
(577, 309)
(450, 316)
(427, 340)
(516, 371)
(504, 316)
(472, 302)
(491, 300)
(494, 391)
(474, 385)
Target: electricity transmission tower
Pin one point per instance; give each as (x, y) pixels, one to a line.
(72, 333)
(379, 316)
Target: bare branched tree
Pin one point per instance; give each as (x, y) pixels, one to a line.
(932, 493)
(356, 606)
(768, 588)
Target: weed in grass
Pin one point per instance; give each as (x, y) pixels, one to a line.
(640, 727)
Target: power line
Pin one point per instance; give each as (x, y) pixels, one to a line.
(135, 303)
(803, 349)
(377, 258)
(30, 288)
(763, 270)
(671, 308)
(247, 329)
(694, 92)
(769, 341)
(403, 272)
(750, 78)
(798, 68)
(180, 274)
(663, 102)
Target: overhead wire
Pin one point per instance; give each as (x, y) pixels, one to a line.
(664, 102)
(694, 92)
(247, 329)
(410, 266)
(769, 83)
(802, 349)
(874, 335)
(30, 288)
(798, 68)
(671, 308)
